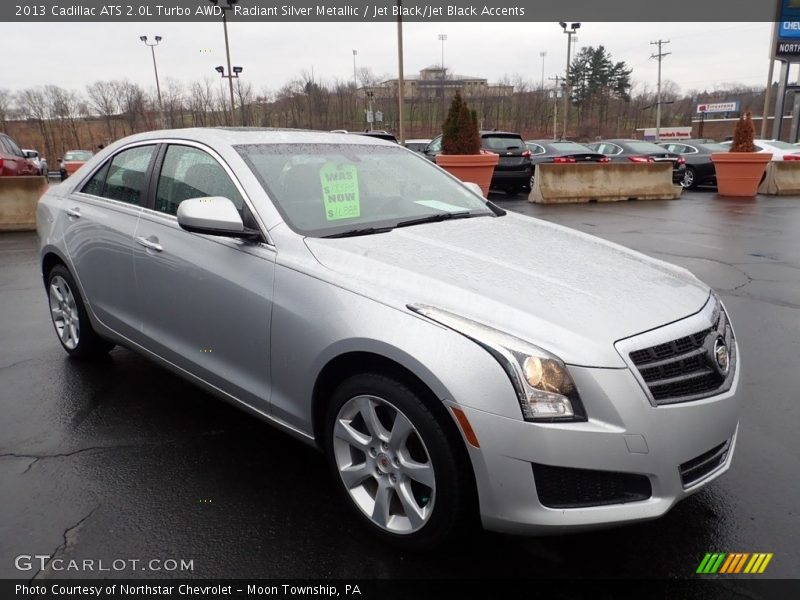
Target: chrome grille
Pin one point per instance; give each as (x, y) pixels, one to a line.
(685, 368)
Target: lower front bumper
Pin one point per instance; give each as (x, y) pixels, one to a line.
(626, 435)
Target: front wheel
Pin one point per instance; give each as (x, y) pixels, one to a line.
(68, 313)
(394, 463)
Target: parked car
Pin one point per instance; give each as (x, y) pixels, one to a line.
(72, 161)
(779, 150)
(12, 159)
(513, 172)
(417, 145)
(449, 358)
(697, 153)
(640, 151)
(561, 151)
(38, 162)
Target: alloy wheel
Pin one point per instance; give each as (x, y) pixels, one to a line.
(384, 464)
(688, 179)
(64, 312)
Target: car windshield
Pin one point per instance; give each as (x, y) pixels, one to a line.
(781, 145)
(333, 189)
(570, 147)
(645, 148)
(78, 155)
(502, 142)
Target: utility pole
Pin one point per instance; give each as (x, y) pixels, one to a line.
(443, 39)
(401, 135)
(660, 57)
(355, 76)
(555, 95)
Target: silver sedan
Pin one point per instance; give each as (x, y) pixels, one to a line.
(450, 359)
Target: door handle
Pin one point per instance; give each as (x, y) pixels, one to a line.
(142, 241)
(74, 212)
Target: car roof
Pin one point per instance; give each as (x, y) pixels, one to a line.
(233, 136)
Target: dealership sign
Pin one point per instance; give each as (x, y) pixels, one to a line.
(719, 107)
(668, 133)
(789, 28)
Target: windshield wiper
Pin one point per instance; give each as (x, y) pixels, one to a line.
(436, 218)
(356, 232)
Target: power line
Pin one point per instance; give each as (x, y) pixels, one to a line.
(660, 57)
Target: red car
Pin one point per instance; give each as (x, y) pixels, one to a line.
(13, 160)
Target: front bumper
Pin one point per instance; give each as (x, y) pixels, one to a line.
(624, 434)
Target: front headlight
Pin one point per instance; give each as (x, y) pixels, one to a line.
(541, 380)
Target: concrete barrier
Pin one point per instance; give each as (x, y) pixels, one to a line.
(603, 182)
(18, 199)
(782, 179)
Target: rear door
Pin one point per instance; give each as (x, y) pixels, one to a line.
(206, 301)
(99, 221)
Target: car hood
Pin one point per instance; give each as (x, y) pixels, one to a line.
(568, 292)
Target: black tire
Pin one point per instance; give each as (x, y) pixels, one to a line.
(453, 508)
(690, 174)
(89, 344)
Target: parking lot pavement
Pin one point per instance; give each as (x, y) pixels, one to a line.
(122, 460)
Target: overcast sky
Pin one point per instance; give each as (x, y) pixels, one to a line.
(704, 56)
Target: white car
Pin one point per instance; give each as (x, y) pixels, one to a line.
(779, 150)
(39, 162)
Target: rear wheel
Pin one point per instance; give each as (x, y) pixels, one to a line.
(394, 464)
(689, 181)
(68, 313)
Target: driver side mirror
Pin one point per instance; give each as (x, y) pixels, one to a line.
(473, 187)
(213, 215)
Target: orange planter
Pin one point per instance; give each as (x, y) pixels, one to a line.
(474, 168)
(739, 173)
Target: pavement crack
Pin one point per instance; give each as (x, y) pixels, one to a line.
(69, 539)
(37, 457)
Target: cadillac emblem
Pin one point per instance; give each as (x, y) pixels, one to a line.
(722, 358)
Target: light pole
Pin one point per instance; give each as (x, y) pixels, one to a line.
(228, 5)
(232, 74)
(355, 76)
(152, 46)
(555, 95)
(443, 39)
(572, 30)
(543, 55)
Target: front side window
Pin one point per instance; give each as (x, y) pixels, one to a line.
(330, 189)
(192, 173)
(126, 176)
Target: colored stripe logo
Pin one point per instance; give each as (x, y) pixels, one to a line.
(732, 563)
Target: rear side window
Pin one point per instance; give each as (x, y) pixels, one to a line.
(502, 143)
(124, 177)
(535, 148)
(95, 185)
(192, 173)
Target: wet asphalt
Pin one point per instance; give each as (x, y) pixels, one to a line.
(121, 459)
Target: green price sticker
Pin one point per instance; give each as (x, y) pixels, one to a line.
(340, 191)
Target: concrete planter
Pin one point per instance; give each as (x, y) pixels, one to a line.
(474, 168)
(18, 199)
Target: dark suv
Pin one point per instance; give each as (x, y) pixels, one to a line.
(513, 171)
(13, 160)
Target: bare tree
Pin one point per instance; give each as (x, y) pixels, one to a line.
(104, 101)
